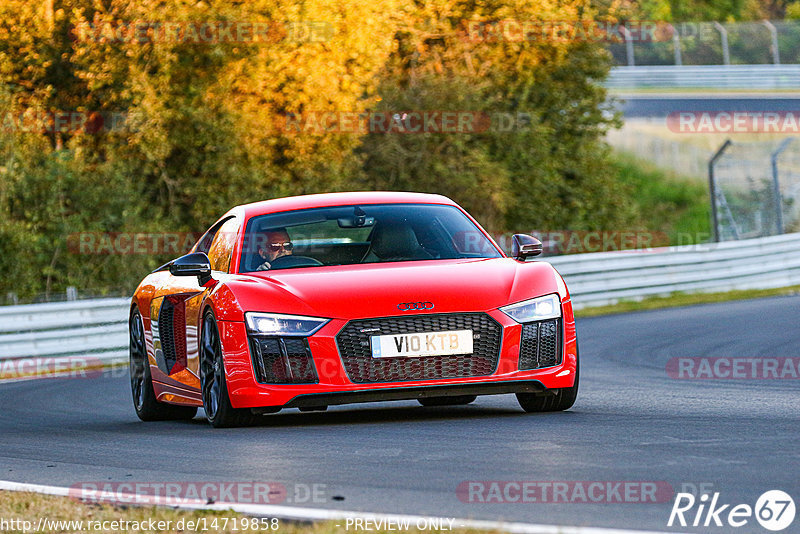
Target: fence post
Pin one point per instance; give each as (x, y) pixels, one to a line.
(676, 45)
(628, 45)
(776, 184)
(72, 293)
(723, 33)
(712, 187)
(776, 56)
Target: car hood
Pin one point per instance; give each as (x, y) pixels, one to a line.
(375, 290)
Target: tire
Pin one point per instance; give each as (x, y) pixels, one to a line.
(144, 397)
(216, 402)
(448, 401)
(562, 398)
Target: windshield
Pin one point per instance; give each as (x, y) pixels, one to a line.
(345, 235)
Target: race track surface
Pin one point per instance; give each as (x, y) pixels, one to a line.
(632, 422)
(652, 106)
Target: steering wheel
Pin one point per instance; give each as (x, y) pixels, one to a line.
(286, 262)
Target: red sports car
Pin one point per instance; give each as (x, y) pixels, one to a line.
(312, 301)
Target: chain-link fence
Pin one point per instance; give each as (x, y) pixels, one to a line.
(755, 189)
(713, 43)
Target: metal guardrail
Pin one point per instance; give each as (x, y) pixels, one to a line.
(608, 277)
(98, 328)
(95, 328)
(706, 76)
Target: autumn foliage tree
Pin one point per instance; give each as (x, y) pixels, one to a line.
(173, 128)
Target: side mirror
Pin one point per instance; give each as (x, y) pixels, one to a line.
(194, 264)
(525, 246)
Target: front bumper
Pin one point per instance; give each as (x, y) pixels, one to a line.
(334, 386)
(380, 394)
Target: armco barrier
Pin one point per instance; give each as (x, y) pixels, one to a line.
(99, 327)
(607, 277)
(706, 76)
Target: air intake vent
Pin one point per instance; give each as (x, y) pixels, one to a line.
(540, 345)
(171, 330)
(282, 360)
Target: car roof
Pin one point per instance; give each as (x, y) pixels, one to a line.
(340, 199)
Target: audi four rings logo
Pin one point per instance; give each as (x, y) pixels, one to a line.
(411, 306)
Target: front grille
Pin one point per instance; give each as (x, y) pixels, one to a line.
(540, 345)
(282, 360)
(353, 342)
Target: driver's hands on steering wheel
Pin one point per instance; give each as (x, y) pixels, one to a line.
(266, 266)
(289, 261)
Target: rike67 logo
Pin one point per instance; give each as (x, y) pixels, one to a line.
(774, 510)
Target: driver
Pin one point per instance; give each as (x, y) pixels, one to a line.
(273, 244)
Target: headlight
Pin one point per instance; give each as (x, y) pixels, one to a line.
(538, 309)
(283, 325)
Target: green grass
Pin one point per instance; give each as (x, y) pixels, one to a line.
(685, 299)
(667, 203)
(17, 507)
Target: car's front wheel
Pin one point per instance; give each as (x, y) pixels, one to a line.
(216, 402)
(144, 397)
(560, 400)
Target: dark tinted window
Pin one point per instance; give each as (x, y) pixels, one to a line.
(375, 233)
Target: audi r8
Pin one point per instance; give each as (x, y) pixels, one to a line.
(320, 300)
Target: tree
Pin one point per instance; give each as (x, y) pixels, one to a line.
(175, 127)
(548, 170)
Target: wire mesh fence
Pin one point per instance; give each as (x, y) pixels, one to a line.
(756, 189)
(713, 43)
(755, 183)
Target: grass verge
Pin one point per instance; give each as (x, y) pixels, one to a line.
(21, 507)
(666, 202)
(685, 299)
(56, 513)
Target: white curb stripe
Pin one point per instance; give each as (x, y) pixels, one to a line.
(292, 513)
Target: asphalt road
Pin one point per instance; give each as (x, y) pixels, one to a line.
(661, 105)
(631, 423)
